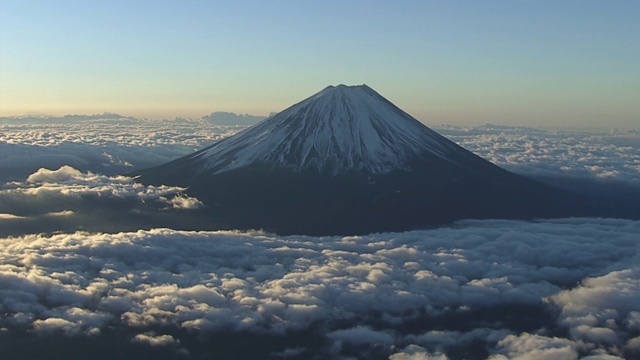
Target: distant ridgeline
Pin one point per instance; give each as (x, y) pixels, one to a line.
(229, 118)
(216, 118)
(46, 119)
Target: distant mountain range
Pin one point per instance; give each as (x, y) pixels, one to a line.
(346, 160)
(48, 119)
(229, 118)
(216, 118)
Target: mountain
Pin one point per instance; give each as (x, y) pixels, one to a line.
(36, 118)
(346, 160)
(229, 118)
(338, 130)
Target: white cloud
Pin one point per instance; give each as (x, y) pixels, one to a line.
(56, 324)
(602, 309)
(182, 201)
(414, 352)
(105, 146)
(384, 290)
(602, 357)
(155, 340)
(439, 339)
(5, 216)
(63, 174)
(536, 347)
(67, 184)
(534, 152)
(68, 200)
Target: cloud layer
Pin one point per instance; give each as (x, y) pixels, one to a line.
(488, 285)
(68, 199)
(112, 145)
(482, 289)
(599, 156)
(103, 145)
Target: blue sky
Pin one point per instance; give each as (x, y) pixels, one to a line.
(518, 62)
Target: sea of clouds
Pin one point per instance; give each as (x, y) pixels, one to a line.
(602, 156)
(561, 289)
(79, 279)
(114, 145)
(103, 145)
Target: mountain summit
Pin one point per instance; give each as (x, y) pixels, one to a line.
(341, 128)
(346, 160)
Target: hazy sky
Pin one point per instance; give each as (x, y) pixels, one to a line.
(517, 62)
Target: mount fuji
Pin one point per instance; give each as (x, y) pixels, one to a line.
(345, 161)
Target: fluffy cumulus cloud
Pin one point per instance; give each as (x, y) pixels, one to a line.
(69, 196)
(604, 310)
(500, 289)
(414, 352)
(71, 182)
(529, 346)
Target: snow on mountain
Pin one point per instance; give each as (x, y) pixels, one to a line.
(340, 128)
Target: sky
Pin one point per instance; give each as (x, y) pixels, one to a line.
(519, 62)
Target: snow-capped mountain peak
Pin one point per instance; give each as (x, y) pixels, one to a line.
(338, 129)
(347, 161)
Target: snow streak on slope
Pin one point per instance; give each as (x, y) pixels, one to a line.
(340, 128)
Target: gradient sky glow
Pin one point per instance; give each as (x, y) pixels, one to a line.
(514, 62)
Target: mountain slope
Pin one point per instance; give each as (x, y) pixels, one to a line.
(346, 160)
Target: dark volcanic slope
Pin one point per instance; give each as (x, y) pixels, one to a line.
(346, 160)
